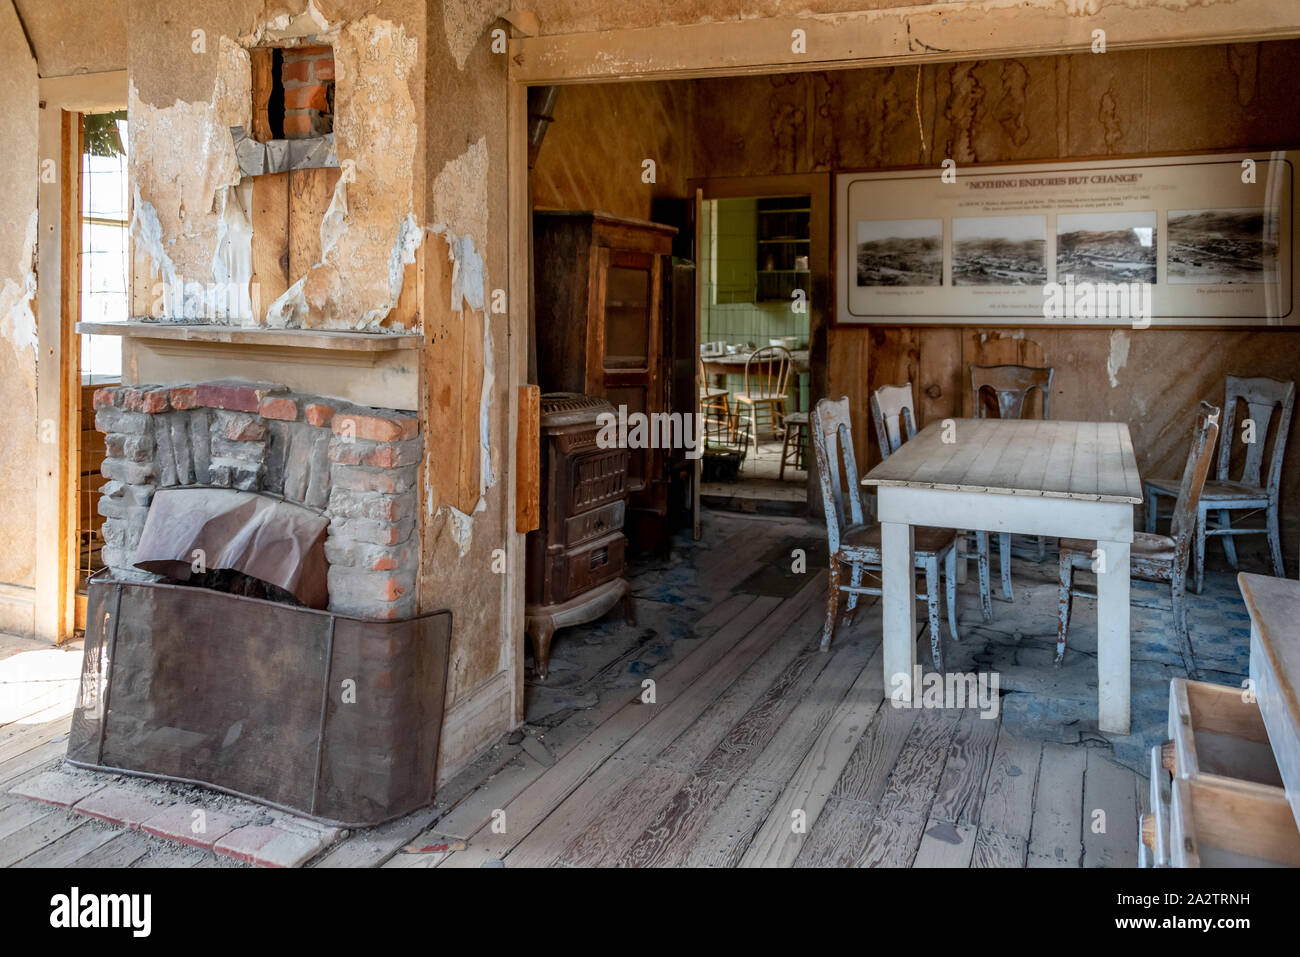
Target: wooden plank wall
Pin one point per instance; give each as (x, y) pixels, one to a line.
(453, 361)
(592, 154)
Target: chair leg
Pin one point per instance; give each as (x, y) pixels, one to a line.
(1150, 509)
(785, 445)
(1064, 598)
(1042, 548)
(855, 580)
(950, 587)
(1275, 541)
(983, 562)
(832, 604)
(1179, 602)
(932, 606)
(1200, 549)
(1004, 560)
(962, 545)
(1229, 546)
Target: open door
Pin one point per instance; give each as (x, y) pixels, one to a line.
(698, 475)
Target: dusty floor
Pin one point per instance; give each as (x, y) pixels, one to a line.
(750, 725)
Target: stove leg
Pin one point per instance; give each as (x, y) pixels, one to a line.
(541, 632)
(629, 607)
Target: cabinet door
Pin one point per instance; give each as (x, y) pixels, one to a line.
(626, 366)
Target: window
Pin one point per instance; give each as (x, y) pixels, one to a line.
(105, 243)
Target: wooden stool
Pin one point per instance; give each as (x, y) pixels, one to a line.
(795, 441)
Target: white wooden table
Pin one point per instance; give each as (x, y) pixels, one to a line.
(1063, 479)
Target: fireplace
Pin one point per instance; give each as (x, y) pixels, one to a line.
(327, 701)
(355, 466)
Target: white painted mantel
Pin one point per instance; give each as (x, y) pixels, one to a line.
(368, 368)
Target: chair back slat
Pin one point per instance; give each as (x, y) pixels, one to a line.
(832, 437)
(1009, 386)
(894, 413)
(766, 371)
(1263, 398)
(1182, 528)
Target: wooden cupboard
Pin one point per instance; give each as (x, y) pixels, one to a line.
(598, 287)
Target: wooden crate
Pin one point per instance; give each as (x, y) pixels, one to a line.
(1219, 735)
(1217, 798)
(1231, 824)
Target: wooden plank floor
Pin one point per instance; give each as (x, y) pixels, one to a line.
(758, 750)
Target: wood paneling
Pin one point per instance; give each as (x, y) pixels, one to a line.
(592, 155)
(528, 477)
(270, 221)
(453, 357)
(310, 192)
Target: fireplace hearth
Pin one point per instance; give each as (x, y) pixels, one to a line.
(327, 699)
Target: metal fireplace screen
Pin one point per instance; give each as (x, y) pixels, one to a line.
(321, 714)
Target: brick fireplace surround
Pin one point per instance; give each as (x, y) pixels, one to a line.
(358, 465)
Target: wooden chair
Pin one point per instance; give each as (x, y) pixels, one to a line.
(713, 400)
(855, 543)
(1223, 495)
(1004, 390)
(767, 371)
(1158, 558)
(894, 412)
(794, 447)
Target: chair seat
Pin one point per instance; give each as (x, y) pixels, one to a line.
(1150, 556)
(760, 396)
(1214, 491)
(708, 394)
(796, 418)
(926, 541)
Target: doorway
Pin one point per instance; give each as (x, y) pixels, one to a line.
(754, 335)
(763, 254)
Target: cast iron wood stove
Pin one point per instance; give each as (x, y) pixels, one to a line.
(575, 558)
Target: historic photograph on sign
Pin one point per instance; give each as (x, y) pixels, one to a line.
(902, 252)
(1222, 245)
(1198, 240)
(999, 250)
(1106, 247)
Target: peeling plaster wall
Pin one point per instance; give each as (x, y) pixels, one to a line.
(467, 94)
(19, 96)
(582, 16)
(183, 161)
(76, 36)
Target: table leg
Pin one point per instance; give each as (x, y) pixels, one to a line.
(899, 601)
(1113, 639)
